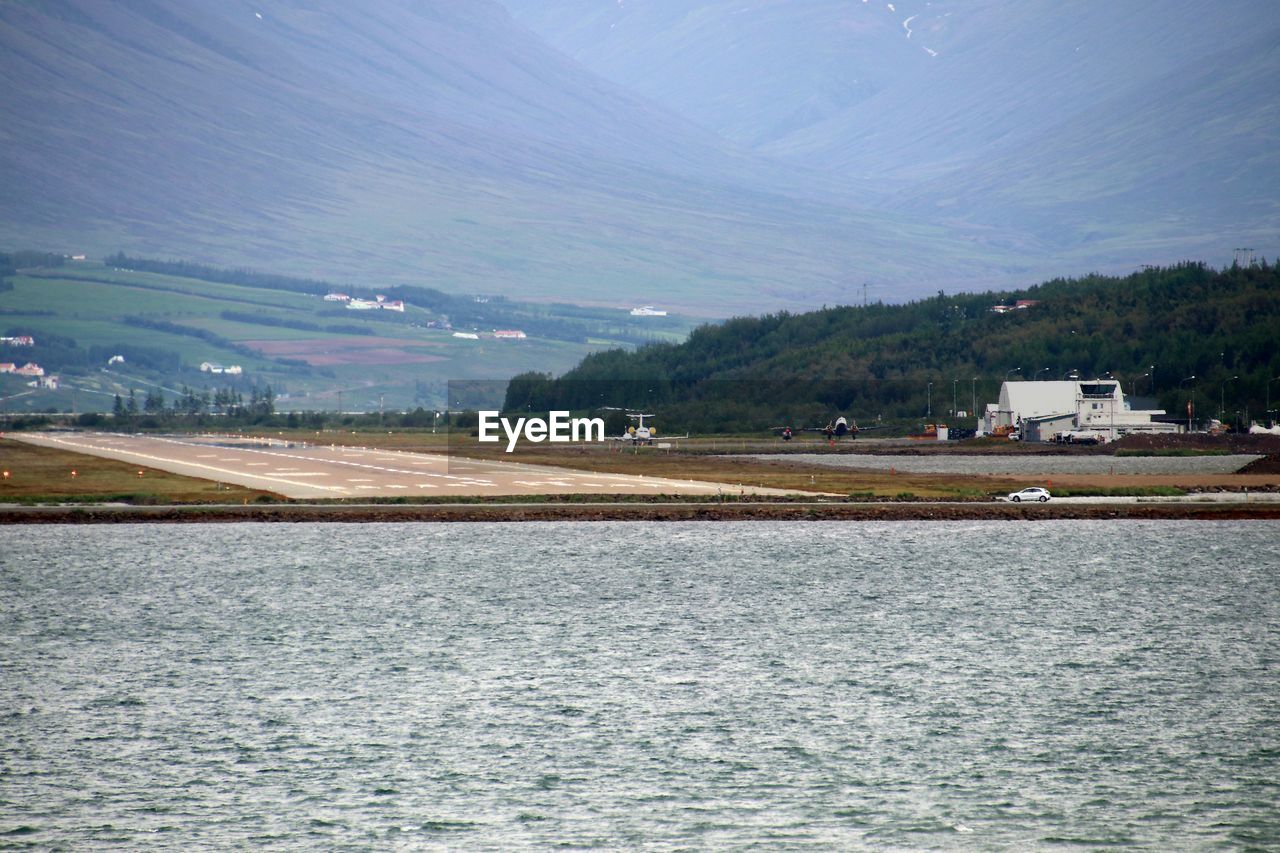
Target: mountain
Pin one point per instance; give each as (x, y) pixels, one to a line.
(1092, 135)
(432, 142)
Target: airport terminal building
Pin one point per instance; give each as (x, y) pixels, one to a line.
(1075, 410)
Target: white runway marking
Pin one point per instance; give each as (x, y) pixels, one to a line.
(290, 466)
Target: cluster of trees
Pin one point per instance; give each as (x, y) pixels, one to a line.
(227, 402)
(1168, 333)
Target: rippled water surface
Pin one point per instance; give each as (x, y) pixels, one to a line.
(488, 686)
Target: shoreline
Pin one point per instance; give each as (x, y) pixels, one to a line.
(757, 511)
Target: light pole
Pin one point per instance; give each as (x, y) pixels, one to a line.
(1151, 382)
(1038, 372)
(1135, 382)
(1269, 381)
(929, 403)
(1112, 401)
(973, 389)
(953, 398)
(1073, 373)
(1222, 401)
(1190, 400)
(1007, 373)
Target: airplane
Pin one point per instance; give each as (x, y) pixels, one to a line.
(838, 428)
(640, 433)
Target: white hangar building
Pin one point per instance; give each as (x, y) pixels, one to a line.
(1043, 411)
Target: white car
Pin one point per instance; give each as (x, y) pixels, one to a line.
(1031, 493)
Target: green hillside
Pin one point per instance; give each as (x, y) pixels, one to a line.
(1153, 330)
(167, 318)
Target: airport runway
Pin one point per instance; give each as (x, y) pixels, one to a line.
(305, 471)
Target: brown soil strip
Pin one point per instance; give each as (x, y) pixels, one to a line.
(906, 511)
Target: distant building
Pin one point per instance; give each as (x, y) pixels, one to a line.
(1020, 305)
(510, 334)
(77, 257)
(1045, 411)
(470, 336)
(336, 297)
(647, 311)
(19, 341)
(48, 382)
(30, 369)
(362, 305)
(214, 367)
(115, 359)
(8, 367)
(393, 305)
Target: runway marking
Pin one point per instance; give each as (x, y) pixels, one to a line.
(489, 476)
(160, 462)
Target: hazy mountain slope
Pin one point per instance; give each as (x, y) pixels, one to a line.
(432, 142)
(751, 71)
(1101, 134)
(1191, 173)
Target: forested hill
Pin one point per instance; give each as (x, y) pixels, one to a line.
(902, 361)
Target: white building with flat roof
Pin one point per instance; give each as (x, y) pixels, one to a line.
(1044, 411)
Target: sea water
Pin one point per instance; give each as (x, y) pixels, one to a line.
(825, 685)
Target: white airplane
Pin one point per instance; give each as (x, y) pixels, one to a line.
(640, 432)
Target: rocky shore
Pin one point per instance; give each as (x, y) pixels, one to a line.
(851, 511)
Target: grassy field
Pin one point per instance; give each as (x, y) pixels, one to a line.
(398, 363)
(45, 475)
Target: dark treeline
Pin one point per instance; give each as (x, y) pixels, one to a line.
(1221, 327)
(290, 364)
(228, 408)
(11, 262)
(559, 322)
(288, 323)
(248, 278)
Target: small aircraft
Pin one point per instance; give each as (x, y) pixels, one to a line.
(638, 433)
(838, 428)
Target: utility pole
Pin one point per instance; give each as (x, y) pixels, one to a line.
(1190, 400)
